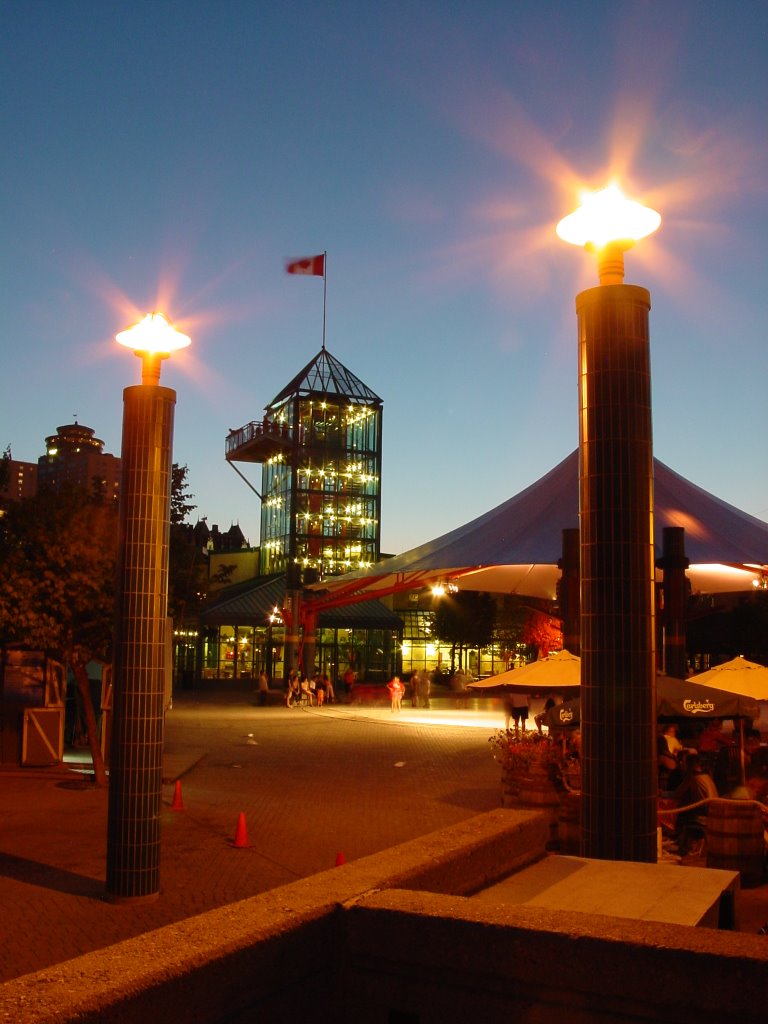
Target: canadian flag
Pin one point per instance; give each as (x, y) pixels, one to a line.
(314, 265)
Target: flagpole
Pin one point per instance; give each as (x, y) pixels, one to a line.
(325, 290)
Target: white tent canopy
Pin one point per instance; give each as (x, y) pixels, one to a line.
(515, 547)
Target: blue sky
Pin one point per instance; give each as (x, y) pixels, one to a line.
(174, 154)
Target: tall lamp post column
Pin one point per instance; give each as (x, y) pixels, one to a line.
(619, 789)
(135, 785)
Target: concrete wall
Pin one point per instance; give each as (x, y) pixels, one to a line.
(419, 958)
(394, 938)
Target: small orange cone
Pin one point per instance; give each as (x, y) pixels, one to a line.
(340, 859)
(241, 833)
(178, 803)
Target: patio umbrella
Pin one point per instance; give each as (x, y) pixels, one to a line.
(742, 678)
(684, 698)
(564, 716)
(559, 672)
(746, 678)
(675, 698)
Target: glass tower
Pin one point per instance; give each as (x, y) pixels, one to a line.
(319, 444)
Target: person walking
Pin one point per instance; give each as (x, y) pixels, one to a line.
(396, 691)
(320, 689)
(263, 688)
(349, 680)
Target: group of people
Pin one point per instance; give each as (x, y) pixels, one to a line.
(316, 691)
(421, 687)
(694, 772)
(517, 708)
(458, 685)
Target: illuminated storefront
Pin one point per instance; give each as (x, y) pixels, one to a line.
(242, 633)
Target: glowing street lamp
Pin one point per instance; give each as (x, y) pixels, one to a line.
(142, 636)
(608, 223)
(617, 630)
(152, 339)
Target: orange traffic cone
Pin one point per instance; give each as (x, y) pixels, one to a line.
(340, 859)
(241, 833)
(178, 803)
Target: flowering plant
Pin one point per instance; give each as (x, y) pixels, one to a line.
(517, 753)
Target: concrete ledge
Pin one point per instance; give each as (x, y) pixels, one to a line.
(439, 958)
(267, 948)
(394, 936)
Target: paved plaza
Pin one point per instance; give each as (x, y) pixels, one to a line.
(312, 784)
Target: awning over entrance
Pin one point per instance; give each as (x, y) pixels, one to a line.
(252, 603)
(515, 547)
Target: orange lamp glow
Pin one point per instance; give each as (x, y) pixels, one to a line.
(608, 223)
(152, 339)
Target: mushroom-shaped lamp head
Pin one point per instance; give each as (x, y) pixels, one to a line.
(152, 339)
(608, 223)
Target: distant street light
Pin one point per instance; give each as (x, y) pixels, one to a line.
(141, 635)
(619, 788)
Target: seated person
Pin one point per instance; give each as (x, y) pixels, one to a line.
(292, 690)
(549, 703)
(756, 753)
(669, 732)
(697, 785)
(713, 738)
(670, 773)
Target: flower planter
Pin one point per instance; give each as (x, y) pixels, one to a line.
(537, 788)
(510, 788)
(529, 767)
(569, 824)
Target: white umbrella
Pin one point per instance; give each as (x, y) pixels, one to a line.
(559, 671)
(746, 678)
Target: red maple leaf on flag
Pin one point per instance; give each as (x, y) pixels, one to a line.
(312, 265)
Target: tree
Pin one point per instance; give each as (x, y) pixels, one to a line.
(509, 627)
(527, 623)
(543, 632)
(181, 503)
(5, 470)
(187, 569)
(58, 552)
(726, 628)
(465, 619)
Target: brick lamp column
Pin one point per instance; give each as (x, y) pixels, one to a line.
(619, 789)
(140, 664)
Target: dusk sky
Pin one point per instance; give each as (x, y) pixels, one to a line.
(173, 155)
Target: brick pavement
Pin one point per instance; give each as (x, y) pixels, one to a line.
(311, 783)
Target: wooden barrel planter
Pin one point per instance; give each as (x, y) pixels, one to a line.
(510, 788)
(537, 788)
(735, 839)
(569, 824)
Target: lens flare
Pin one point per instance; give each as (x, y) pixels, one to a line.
(607, 216)
(154, 335)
